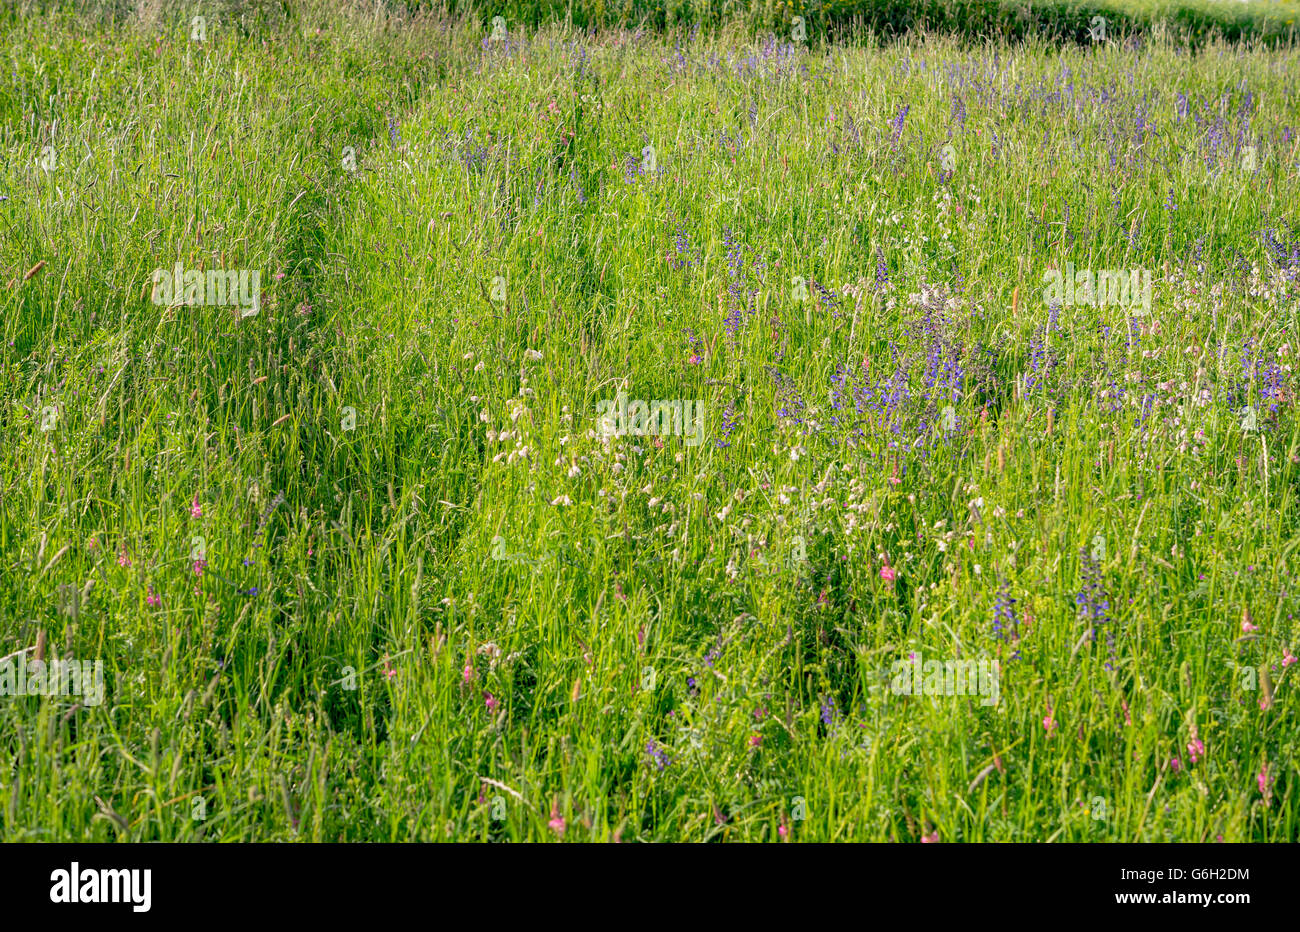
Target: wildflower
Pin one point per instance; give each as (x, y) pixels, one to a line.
(1093, 602)
(1195, 748)
(122, 558)
(1004, 617)
(828, 710)
(896, 125)
(557, 823)
(887, 573)
(196, 510)
(490, 702)
(932, 838)
(658, 754)
(729, 422)
(1049, 723)
(468, 673)
(1287, 658)
(755, 740)
(1174, 764)
(1265, 784)
(153, 599)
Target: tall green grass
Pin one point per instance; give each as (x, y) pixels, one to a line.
(651, 660)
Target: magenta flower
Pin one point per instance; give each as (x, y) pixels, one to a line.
(1195, 748)
(196, 510)
(930, 839)
(153, 599)
(887, 573)
(557, 823)
(490, 701)
(122, 558)
(468, 673)
(1175, 765)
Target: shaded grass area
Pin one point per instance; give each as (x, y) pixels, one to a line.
(1193, 22)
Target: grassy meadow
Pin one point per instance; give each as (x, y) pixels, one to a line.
(369, 564)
